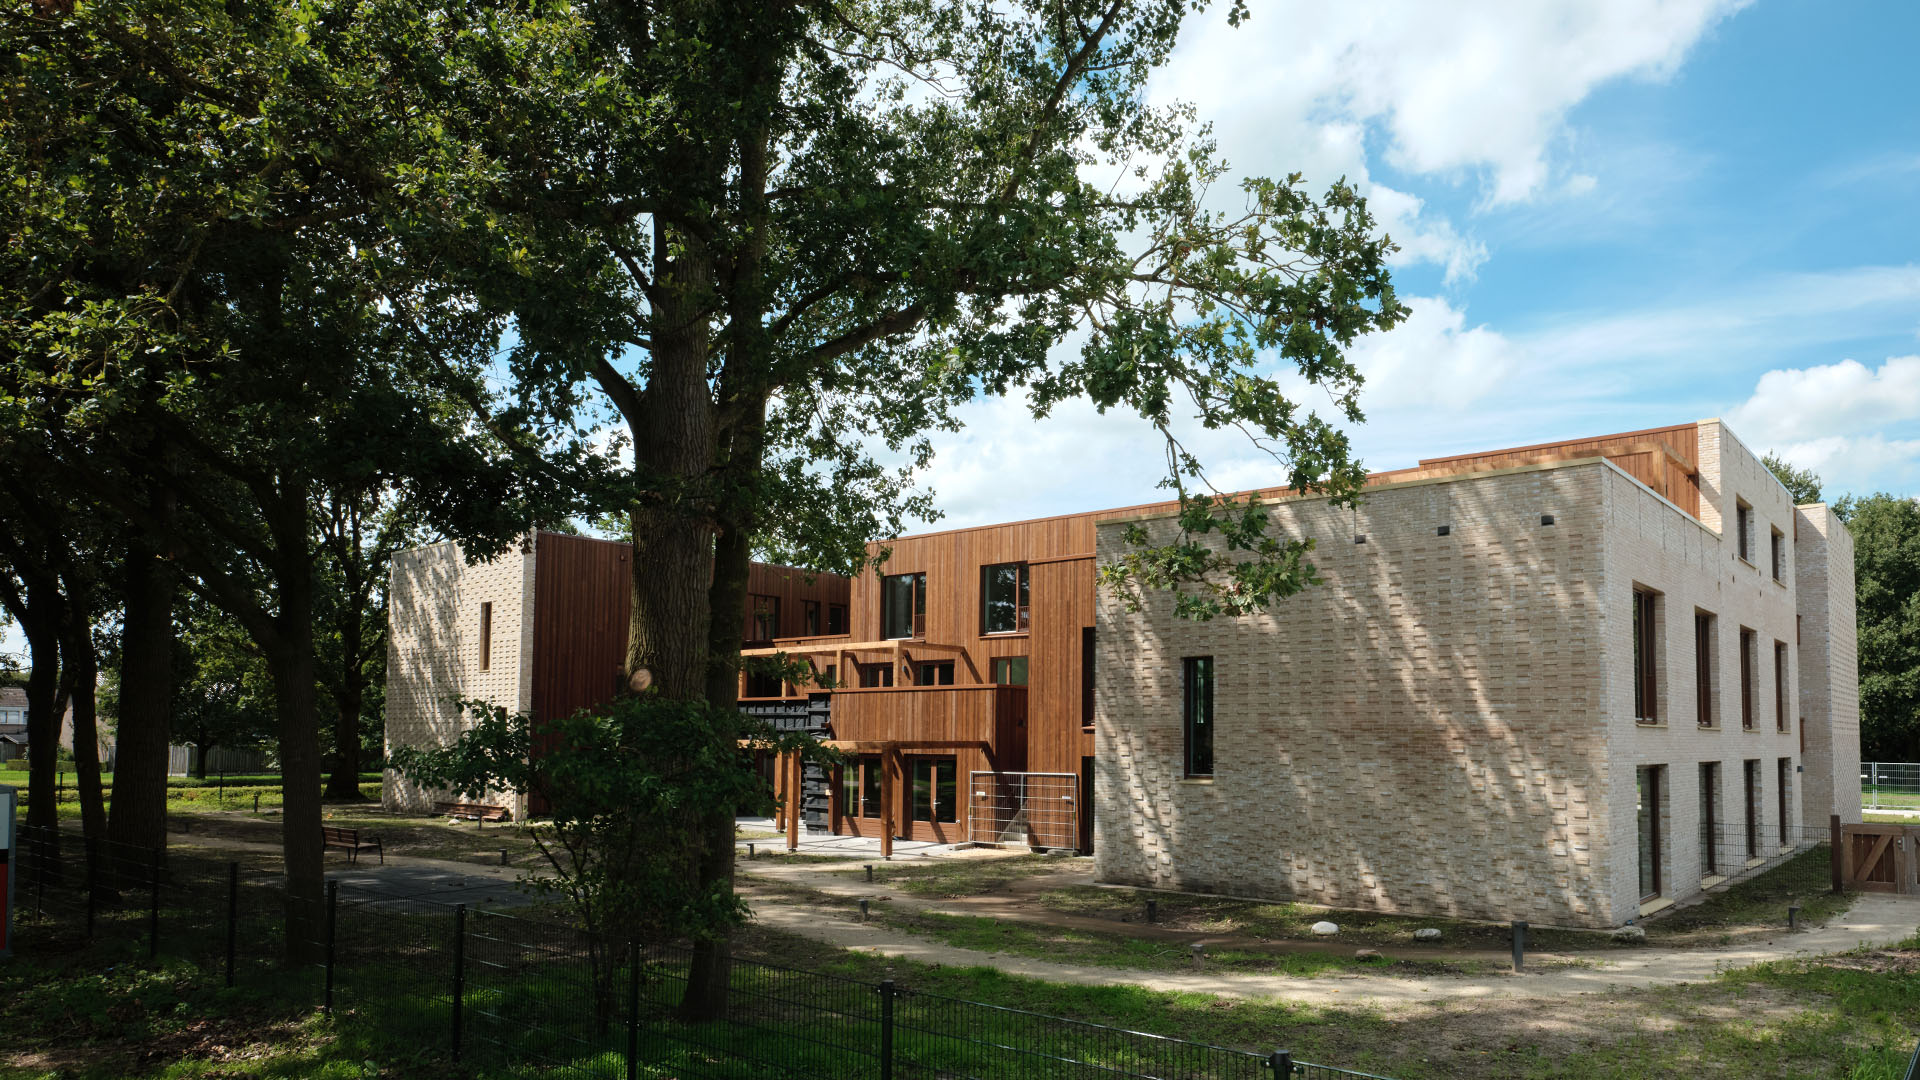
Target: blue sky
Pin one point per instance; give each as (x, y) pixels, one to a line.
(1616, 214)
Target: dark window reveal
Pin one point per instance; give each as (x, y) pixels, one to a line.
(486, 636)
(1086, 677)
(903, 606)
(1649, 817)
(1004, 592)
(763, 618)
(1743, 514)
(1709, 817)
(880, 674)
(1780, 686)
(1645, 661)
(1197, 707)
(1752, 771)
(836, 618)
(1703, 636)
(811, 608)
(1747, 645)
(934, 673)
(1779, 556)
(1780, 793)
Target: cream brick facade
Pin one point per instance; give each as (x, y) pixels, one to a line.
(1447, 723)
(434, 656)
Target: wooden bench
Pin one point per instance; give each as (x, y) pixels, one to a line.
(348, 840)
(467, 811)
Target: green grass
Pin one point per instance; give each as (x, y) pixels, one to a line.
(1756, 905)
(968, 877)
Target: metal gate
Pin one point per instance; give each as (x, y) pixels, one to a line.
(1040, 810)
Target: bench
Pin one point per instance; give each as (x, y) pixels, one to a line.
(467, 811)
(348, 840)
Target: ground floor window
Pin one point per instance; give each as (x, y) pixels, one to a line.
(1785, 782)
(1753, 809)
(876, 674)
(1709, 815)
(1649, 778)
(1010, 670)
(934, 789)
(934, 673)
(860, 787)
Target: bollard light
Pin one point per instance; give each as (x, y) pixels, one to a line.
(1153, 911)
(749, 851)
(869, 873)
(503, 856)
(1519, 944)
(1198, 952)
(863, 911)
(1793, 918)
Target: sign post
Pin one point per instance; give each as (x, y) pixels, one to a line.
(9, 803)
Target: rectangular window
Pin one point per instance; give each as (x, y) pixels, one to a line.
(1010, 670)
(1004, 591)
(933, 673)
(836, 618)
(1086, 677)
(933, 789)
(880, 674)
(1752, 774)
(1709, 815)
(763, 617)
(903, 606)
(1703, 656)
(1646, 707)
(1649, 817)
(1743, 514)
(1779, 556)
(811, 609)
(761, 684)
(1748, 643)
(1780, 794)
(850, 789)
(486, 636)
(870, 786)
(1197, 714)
(1780, 713)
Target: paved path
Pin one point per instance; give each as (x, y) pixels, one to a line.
(1876, 919)
(442, 880)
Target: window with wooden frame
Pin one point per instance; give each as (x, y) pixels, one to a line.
(1005, 590)
(933, 673)
(1780, 713)
(486, 636)
(1743, 519)
(903, 606)
(1646, 642)
(935, 788)
(836, 618)
(1781, 787)
(1197, 714)
(1009, 670)
(1705, 633)
(764, 684)
(880, 674)
(1751, 773)
(1086, 678)
(860, 787)
(1779, 556)
(1748, 643)
(763, 617)
(1709, 818)
(810, 612)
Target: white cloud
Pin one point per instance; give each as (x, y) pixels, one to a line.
(1424, 237)
(1432, 359)
(1808, 404)
(1469, 87)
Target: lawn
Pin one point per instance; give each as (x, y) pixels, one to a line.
(421, 837)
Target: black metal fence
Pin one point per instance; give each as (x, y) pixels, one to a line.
(492, 986)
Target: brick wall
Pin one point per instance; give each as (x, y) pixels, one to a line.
(1421, 732)
(433, 652)
(1830, 673)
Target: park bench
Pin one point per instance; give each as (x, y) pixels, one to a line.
(467, 811)
(348, 840)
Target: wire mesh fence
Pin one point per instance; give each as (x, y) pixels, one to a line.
(534, 993)
(1890, 786)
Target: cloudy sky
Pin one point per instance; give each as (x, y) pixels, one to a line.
(1615, 214)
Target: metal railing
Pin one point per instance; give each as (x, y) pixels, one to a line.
(1036, 809)
(487, 984)
(1890, 786)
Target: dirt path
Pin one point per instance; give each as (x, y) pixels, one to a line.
(1875, 919)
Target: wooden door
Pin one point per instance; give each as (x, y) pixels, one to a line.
(1879, 858)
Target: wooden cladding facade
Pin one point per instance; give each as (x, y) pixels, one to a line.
(582, 592)
(795, 590)
(1665, 459)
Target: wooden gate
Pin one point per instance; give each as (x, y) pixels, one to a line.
(1880, 858)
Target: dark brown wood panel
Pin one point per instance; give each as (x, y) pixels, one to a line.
(581, 591)
(795, 588)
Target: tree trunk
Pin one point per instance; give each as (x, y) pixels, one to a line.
(40, 621)
(82, 665)
(138, 814)
(290, 658)
(344, 784)
(201, 749)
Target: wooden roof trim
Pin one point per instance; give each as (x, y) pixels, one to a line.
(1563, 442)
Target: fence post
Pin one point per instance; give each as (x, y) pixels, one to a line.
(1873, 785)
(459, 970)
(153, 909)
(886, 1030)
(1281, 1062)
(1519, 943)
(333, 904)
(233, 914)
(633, 1010)
(1833, 852)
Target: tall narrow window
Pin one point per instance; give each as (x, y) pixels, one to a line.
(903, 606)
(1649, 820)
(1086, 677)
(1004, 592)
(870, 786)
(1743, 514)
(763, 617)
(1646, 707)
(1709, 818)
(1197, 708)
(836, 618)
(1779, 556)
(933, 789)
(811, 608)
(1703, 636)
(1785, 781)
(1747, 645)
(1751, 770)
(1780, 686)
(1010, 670)
(486, 636)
